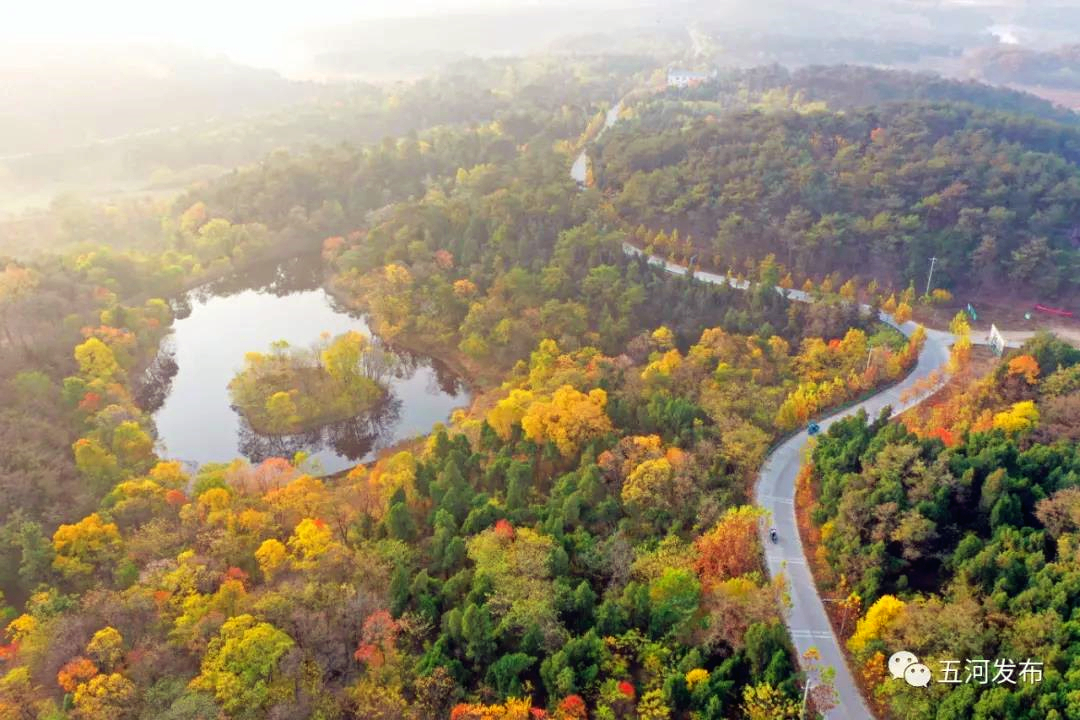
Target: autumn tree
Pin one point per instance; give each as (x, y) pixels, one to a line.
(16, 283)
(663, 339)
(509, 411)
(85, 546)
(568, 420)
(96, 463)
(133, 446)
(883, 612)
(652, 485)
(1020, 418)
(96, 360)
(765, 702)
(344, 360)
(106, 647)
(391, 299)
(311, 539)
(271, 556)
(240, 667)
(960, 353)
(75, 672)
(1025, 367)
(732, 548)
(377, 638)
(106, 697)
(512, 709)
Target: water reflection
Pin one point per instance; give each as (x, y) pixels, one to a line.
(217, 323)
(150, 394)
(353, 439)
(280, 279)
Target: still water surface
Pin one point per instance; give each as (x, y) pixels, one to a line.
(219, 322)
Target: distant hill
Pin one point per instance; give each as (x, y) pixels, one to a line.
(1013, 65)
(853, 86)
(857, 170)
(51, 98)
(394, 48)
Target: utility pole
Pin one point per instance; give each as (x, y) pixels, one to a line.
(805, 692)
(933, 261)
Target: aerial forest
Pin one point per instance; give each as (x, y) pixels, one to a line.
(581, 541)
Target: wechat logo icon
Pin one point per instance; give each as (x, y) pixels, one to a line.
(905, 665)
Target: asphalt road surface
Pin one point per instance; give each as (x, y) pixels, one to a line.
(775, 491)
(806, 619)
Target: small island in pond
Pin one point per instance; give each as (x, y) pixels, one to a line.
(293, 390)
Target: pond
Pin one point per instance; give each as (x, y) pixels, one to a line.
(186, 388)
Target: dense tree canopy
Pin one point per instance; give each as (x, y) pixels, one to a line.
(873, 190)
(291, 389)
(579, 543)
(955, 530)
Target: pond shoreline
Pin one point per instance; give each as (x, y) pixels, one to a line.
(477, 380)
(315, 424)
(220, 320)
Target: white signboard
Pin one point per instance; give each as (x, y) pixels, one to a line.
(997, 342)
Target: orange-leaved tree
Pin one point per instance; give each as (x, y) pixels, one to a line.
(732, 548)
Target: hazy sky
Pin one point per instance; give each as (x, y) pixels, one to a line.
(267, 33)
(248, 31)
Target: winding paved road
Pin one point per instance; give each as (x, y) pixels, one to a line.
(775, 491)
(579, 171)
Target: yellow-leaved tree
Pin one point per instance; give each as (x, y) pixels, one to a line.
(240, 667)
(105, 697)
(570, 419)
(651, 484)
(310, 541)
(663, 366)
(82, 547)
(765, 702)
(106, 647)
(344, 360)
(508, 412)
(513, 709)
(1021, 417)
(960, 354)
(883, 612)
(96, 360)
(663, 339)
(271, 556)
